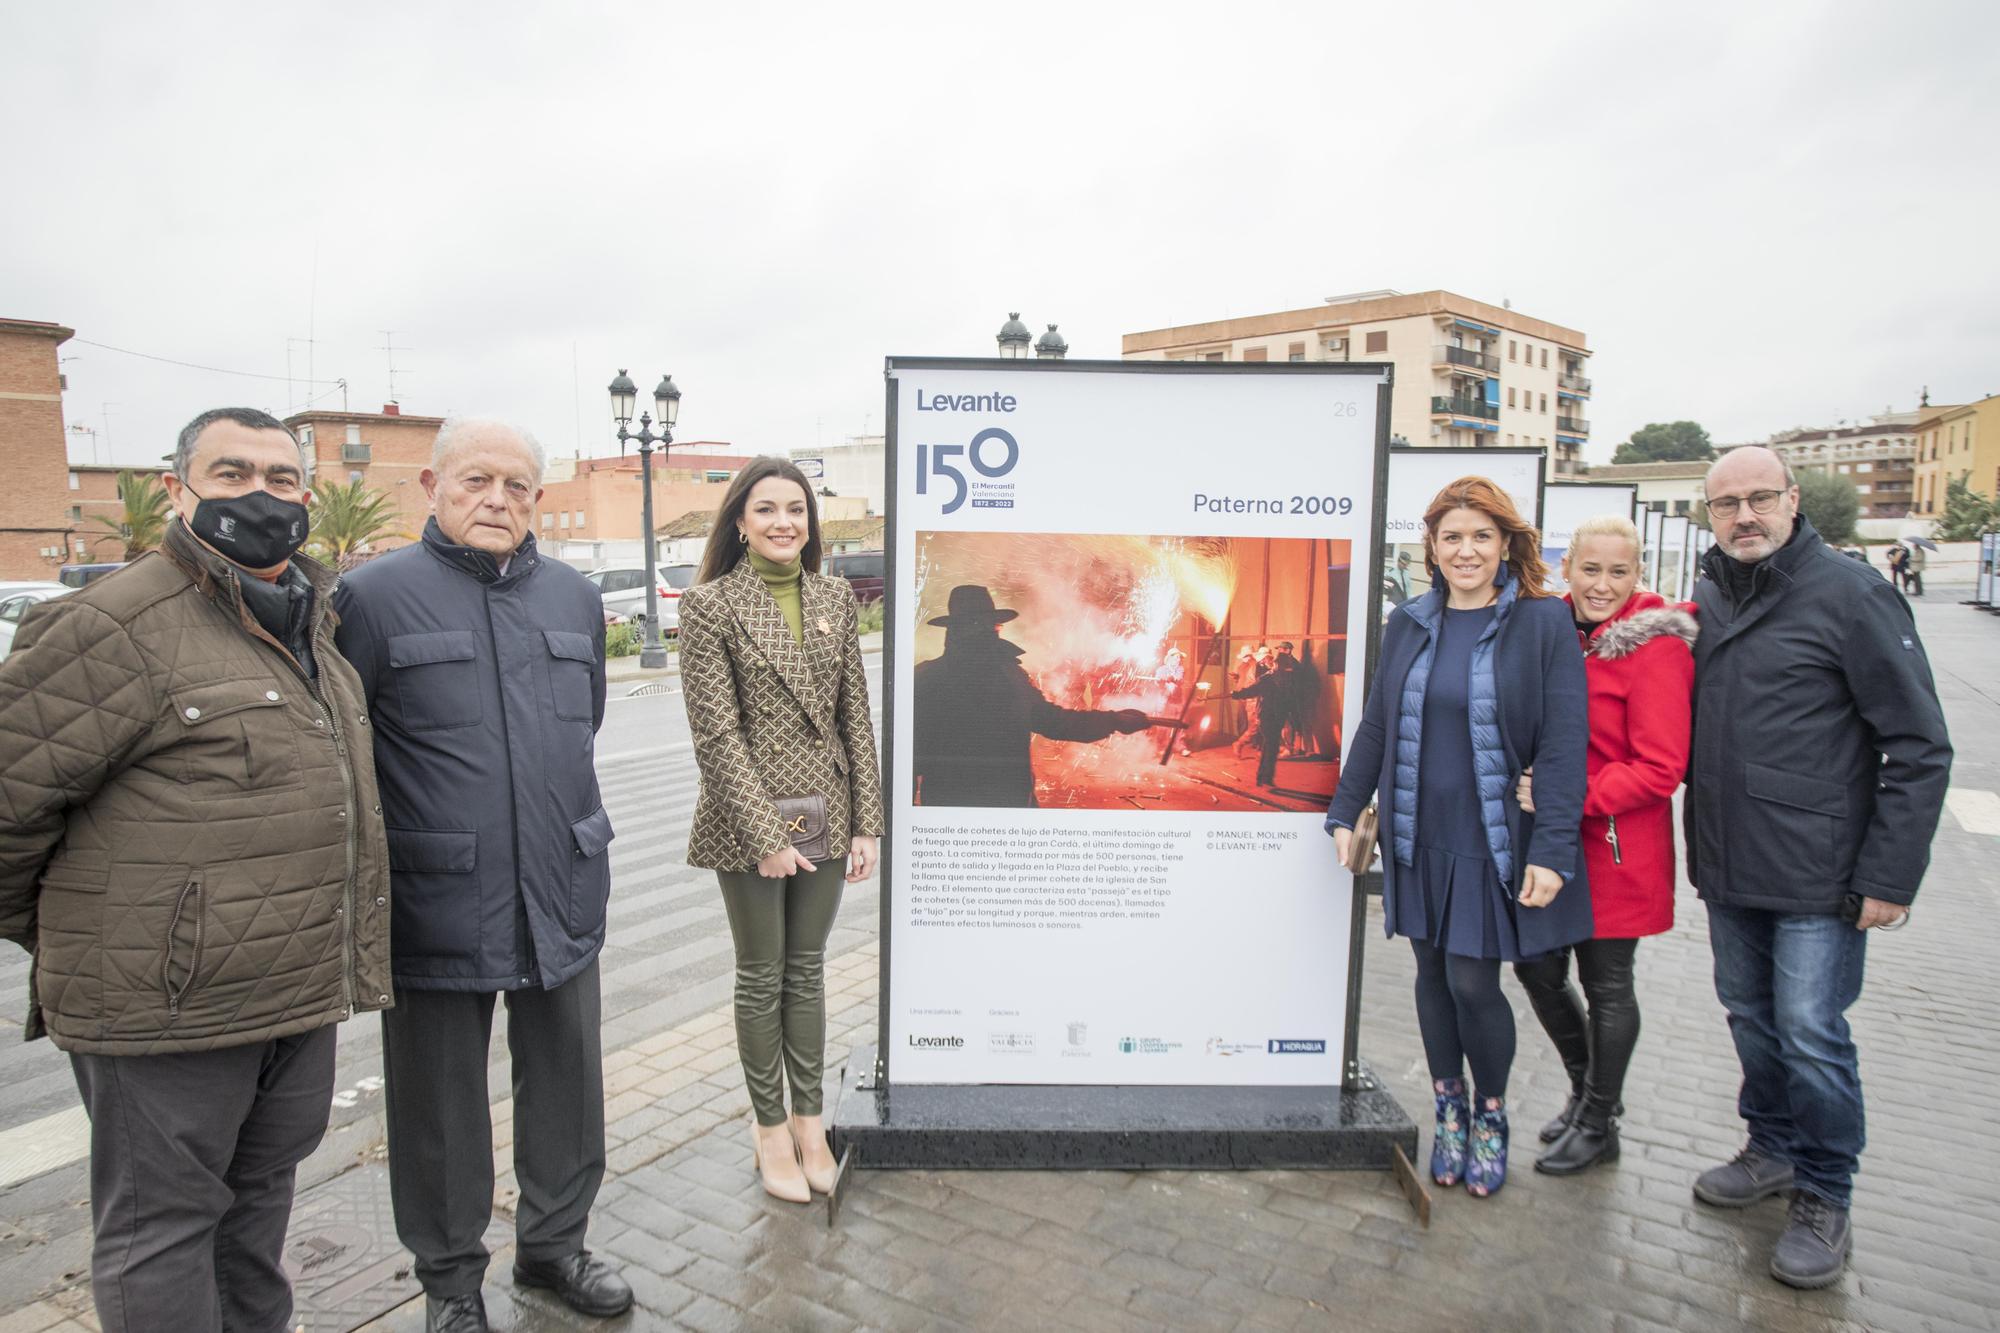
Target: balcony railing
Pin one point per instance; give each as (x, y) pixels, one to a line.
(1465, 407)
(1574, 425)
(1467, 356)
(354, 453)
(1574, 383)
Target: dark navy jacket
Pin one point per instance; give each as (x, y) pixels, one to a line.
(1542, 720)
(486, 692)
(1820, 757)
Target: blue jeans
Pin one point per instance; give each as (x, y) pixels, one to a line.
(1787, 981)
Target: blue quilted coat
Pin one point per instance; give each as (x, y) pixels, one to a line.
(1530, 707)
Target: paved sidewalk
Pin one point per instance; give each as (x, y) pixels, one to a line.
(1624, 1247)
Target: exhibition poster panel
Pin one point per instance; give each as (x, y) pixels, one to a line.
(1104, 869)
(1565, 505)
(1649, 552)
(1416, 475)
(1673, 548)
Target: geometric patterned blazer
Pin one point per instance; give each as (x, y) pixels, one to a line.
(773, 717)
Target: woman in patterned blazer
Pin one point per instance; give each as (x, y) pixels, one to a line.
(778, 707)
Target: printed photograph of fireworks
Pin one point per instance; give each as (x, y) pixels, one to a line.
(1128, 673)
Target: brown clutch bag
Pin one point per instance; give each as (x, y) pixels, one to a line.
(1361, 847)
(804, 818)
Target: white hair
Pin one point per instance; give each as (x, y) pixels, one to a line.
(453, 427)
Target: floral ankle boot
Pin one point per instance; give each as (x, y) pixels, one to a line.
(1487, 1171)
(1448, 1142)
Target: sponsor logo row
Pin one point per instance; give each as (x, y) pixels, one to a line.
(1076, 1042)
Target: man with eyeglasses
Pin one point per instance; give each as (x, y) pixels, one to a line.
(1815, 781)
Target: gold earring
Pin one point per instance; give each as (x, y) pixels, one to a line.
(742, 537)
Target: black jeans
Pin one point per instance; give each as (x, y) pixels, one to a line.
(1595, 1046)
(193, 1157)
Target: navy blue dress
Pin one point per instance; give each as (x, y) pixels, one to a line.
(1452, 896)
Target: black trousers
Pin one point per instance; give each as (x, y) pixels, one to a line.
(192, 1161)
(1595, 1044)
(434, 1046)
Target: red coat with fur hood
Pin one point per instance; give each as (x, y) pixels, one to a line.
(1640, 666)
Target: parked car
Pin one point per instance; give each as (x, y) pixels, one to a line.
(862, 569)
(75, 576)
(623, 588)
(15, 599)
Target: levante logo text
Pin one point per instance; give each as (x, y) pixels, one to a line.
(937, 1043)
(965, 402)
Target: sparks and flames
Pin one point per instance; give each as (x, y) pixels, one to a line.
(1098, 614)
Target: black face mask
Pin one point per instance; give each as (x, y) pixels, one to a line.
(255, 530)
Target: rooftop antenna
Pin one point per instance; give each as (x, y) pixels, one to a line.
(390, 349)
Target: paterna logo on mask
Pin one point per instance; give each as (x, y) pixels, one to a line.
(256, 530)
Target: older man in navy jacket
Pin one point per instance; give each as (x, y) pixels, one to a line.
(483, 664)
(1816, 776)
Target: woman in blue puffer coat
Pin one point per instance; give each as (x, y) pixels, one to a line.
(1480, 679)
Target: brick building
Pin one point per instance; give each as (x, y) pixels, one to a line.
(36, 531)
(386, 451)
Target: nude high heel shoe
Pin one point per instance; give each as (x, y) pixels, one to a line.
(819, 1177)
(780, 1170)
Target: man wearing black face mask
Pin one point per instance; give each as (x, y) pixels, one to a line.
(192, 847)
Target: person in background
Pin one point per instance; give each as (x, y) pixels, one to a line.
(1913, 569)
(1241, 677)
(1639, 665)
(1818, 771)
(1479, 679)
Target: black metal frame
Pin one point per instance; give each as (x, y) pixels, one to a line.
(1351, 1077)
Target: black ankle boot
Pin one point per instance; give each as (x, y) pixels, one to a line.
(1582, 1146)
(1567, 1116)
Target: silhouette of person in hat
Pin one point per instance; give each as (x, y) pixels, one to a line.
(976, 709)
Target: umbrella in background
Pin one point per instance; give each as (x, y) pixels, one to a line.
(1924, 542)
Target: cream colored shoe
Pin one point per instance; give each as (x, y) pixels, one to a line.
(815, 1157)
(776, 1159)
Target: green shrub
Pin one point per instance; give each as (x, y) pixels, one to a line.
(870, 619)
(621, 640)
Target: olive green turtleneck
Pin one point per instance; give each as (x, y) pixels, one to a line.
(783, 583)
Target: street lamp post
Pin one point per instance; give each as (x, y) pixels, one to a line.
(1051, 346)
(667, 403)
(1014, 337)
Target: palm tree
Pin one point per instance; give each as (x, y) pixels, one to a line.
(144, 510)
(347, 518)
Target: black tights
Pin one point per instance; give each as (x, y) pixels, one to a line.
(1596, 1047)
(1464, 1017)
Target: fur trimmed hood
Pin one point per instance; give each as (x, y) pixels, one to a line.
(1640, 625)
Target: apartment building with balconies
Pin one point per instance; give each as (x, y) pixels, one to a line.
(1467, 373)
(1879, 456)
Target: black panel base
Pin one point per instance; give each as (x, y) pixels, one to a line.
(1043, 1128)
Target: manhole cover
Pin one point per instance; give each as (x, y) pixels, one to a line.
(342, 1255)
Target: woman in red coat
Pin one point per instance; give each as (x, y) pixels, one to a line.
(1639, 660)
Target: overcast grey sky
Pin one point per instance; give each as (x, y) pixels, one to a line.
(1761, 215)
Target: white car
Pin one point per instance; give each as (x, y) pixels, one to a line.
(15, 599)
(623, 588)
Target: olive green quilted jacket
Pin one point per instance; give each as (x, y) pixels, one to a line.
(190, 843)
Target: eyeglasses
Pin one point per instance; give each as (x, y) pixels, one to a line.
(1760, 502)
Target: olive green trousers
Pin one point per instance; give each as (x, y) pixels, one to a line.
(780, 927)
